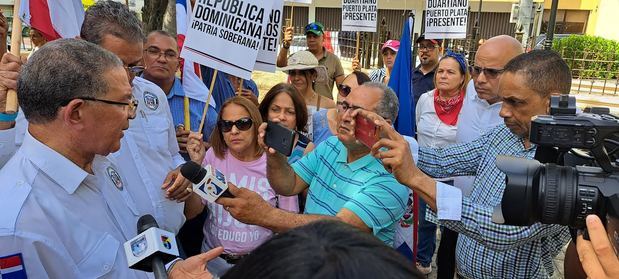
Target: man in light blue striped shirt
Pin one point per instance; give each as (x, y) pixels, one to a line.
(343, 180)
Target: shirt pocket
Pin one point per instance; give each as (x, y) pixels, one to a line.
(100, 258)
(157, 128)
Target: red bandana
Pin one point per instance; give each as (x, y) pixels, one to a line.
(448, 110)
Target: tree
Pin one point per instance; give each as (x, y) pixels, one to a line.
(152, 14)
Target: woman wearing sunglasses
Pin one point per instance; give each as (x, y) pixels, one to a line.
(325, 121)
(236, 154)
(303, 72)
(284, 105)
(437, 115)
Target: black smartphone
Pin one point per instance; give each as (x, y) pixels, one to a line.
(279, 138)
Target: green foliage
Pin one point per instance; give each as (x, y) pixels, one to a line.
(589, 56)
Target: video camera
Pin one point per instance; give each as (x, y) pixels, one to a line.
(585, 179)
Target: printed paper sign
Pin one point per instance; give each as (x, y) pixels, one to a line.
(227, 34)
(446, 19)
(267, 55)
(359, 15)
(300, 1)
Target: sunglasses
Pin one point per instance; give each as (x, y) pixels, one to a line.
(488, 72)
(344, 89)
(242, 124)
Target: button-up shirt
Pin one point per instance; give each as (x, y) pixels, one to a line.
(486, 249)
(223, 89)
(149, 151)
(422, 83)
(60, 221)
(476, 117)
(176, 100)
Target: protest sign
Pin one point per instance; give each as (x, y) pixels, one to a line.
(267, 55)
(227, 34)
(446, 19)
(359, 15)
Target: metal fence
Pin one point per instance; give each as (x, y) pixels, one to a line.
(593, 72)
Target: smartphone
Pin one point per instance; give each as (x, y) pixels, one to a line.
(365, 131)
(279, 138)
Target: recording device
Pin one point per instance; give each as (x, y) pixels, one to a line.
(365, 131)
(208, 182)
(279, 138)
(151, 248)
(584, 181)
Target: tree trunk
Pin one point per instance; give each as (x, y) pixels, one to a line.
(169, 19)
(152, 14)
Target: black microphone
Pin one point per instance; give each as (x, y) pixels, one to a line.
(208, 182)
(151, 248)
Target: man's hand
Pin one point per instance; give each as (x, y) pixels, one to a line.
(355, 64)
(195, 267)
(10, 65)
(181, 138)
(177, 187)
(196, 147)
(287, 37)
(597, 256)
(249, 95)
(246, 206)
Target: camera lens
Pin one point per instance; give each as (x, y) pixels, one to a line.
(557, 191)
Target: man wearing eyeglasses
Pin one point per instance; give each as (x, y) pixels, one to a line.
(423, 75)
(343, 180)
(479, 114)
(161, 62)
(314, 34)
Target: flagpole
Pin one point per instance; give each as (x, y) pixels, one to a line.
(357, 45)
(241, 85)
(11, 95)
(186, 114)
(208, 101)
(292, 14)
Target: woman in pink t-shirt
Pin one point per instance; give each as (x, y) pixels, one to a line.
(235, 153)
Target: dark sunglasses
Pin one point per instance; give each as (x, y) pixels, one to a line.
(488, 72)
(344, 89)
(242, 124)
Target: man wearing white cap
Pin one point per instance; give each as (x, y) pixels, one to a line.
(388, 52)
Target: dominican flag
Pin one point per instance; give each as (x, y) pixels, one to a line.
(193, 85)
(53, 18)
(12, 267)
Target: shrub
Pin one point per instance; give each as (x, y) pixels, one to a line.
(589, 56)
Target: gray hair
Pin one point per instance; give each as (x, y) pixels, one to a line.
(389, 105)
(59, 72)
(113, 18)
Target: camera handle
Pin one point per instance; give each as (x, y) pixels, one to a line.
(600, 155)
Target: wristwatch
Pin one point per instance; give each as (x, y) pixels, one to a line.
(286, 44)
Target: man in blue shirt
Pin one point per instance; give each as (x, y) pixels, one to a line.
(224, 89)
(423, 75)
(486, 249)
(161, 62)
(344, 181)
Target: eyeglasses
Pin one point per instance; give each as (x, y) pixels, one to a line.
(132, 105)
(134, 70)
(155, 52)
(426, 47)
(242, 124)
(344, 89)
(345, 106)
(488, 72)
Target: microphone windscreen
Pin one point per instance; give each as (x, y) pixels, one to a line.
(146, 222)
(192, 171)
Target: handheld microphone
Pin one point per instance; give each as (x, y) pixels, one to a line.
(151, 248)
(208, 182)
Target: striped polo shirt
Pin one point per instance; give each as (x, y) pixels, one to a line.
(363, 187)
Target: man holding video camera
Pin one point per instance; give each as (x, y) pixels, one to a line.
(486, 249)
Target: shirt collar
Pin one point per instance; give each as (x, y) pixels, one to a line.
(342, 157)
(177, 89)
(57, 167)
